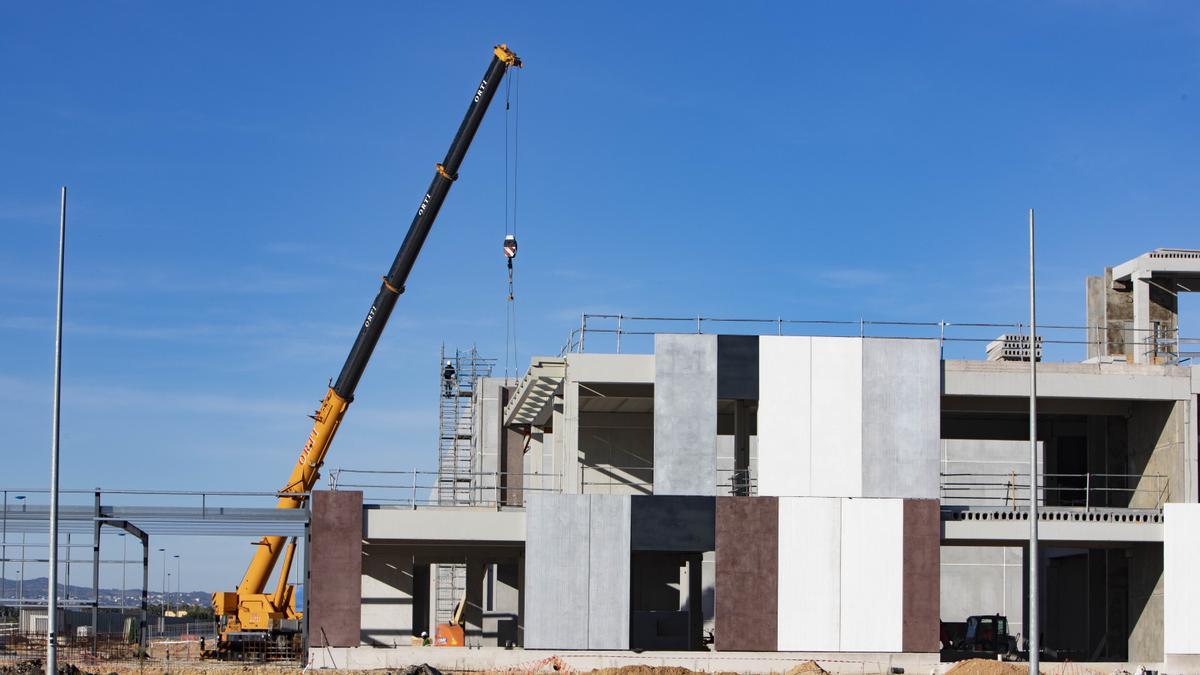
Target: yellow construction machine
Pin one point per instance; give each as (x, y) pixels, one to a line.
(249, 615)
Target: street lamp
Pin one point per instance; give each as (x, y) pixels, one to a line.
(177, 565)
(162, 605)
(21, 579)
(124, 541)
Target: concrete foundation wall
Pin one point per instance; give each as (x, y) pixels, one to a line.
(334, 578)
(1181, 551)
(685, 414)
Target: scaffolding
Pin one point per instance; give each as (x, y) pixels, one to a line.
(458, 374)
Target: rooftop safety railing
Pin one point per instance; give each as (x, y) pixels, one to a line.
(619, 333)
(1080, 490)
(415, 488)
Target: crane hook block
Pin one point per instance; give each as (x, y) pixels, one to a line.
(510, 246)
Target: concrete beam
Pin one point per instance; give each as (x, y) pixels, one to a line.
(433, 525)
(1067, 380)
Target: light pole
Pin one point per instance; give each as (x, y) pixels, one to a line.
(166, 604)
(124, 541)
(177, 567)
(162, 602)
(21, 579)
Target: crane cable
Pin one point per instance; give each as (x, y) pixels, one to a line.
(510, 233)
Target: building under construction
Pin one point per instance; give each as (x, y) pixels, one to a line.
(851, 488)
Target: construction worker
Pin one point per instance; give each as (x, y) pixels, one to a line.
(448, 379)
(425, 635)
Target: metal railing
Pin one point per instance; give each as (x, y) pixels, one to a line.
(966, 340)
(415, 487)
(1085, 490)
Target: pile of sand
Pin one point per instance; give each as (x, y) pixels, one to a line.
(986, 667)
(808, 668)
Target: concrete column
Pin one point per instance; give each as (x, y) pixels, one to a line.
(1141, 316)
(473, 612)
(1146, 603)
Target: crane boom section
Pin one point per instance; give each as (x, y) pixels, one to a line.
(249, 605)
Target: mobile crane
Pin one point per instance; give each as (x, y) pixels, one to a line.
(248, 615)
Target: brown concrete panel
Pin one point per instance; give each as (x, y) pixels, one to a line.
(334, 585)
(922, 575)
(747, 569)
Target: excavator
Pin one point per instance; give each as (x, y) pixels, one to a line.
(249, 615)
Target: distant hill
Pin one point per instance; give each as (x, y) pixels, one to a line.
(38, 588)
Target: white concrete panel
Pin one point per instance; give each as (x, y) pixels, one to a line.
(837, 419)
(872, 589)
(902, 396)
(608, 582)
(809, 574)
(784, 415)
(1181, 550)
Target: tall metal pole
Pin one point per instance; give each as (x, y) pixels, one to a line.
(1034, 639)
(52, 603)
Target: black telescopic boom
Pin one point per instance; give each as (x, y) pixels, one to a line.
(447, 172)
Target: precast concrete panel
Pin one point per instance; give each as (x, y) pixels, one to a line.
(810, 574)
(685, 414)
(921, 560)
(837, 417)
(785, 415)
(673, 523)
(901, 408)
(557, 562)
(747, 552)
(872, 575)
(335, 568)
(608, 583)
(1181, 550)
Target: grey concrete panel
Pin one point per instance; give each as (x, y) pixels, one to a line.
(556, 571)
(685, 414)
(335, 568)
(608, 583)
(737, 367)
(901, 418)
(673, 523)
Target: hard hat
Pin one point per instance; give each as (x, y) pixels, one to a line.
(448, 362)
(424, 634)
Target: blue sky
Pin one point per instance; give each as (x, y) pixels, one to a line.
(240, 177)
